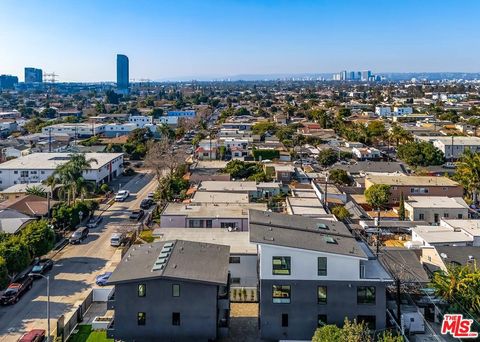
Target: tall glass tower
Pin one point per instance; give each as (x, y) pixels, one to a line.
(122, 73)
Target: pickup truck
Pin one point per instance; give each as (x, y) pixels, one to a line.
(16, 290)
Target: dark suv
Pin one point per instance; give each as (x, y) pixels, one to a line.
(16, 290)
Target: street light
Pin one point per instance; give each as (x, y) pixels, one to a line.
(48, 300)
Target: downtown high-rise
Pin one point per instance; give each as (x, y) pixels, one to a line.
(122, 73)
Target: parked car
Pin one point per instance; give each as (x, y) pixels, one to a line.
(34, 335)
(79, 235)
(117, 239)
(101, 280)
(16, 290)
(122, 195)
(146, 203)
(41, 266)
(137, 215)
(94, 221)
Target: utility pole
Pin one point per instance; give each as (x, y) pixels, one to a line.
(326, 191)
(50, 139)
(451, 154)
(399, 309)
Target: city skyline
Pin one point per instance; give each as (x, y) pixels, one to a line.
(186, 39)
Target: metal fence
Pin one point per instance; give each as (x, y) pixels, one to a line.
(66, 327)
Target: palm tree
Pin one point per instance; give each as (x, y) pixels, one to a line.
(35, 190)
(468, 173)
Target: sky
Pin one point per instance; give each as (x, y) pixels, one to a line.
(171, 39)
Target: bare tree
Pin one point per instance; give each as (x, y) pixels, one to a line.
(163, 158)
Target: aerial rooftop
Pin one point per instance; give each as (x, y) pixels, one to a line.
(411, 180)
(301, 232)
(209, 210)
(437, 202)
(183, 260)
(49, 161)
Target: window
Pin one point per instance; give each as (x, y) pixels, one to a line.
(142, 290)
(208, 223)
(329, 239)
(23, 173)
(460, 216)
(141, 318)
(234, 260)
(445, 215)
(285, 320)
(366, 295)
(322, 266)
(15, 172)
(195, 224)
(280, 265)
(421, 216)
(369, 320)
(42, 172)
(235, 281)
(33, 172)
(175, 290)
(321, 320)
(322, 295)
(228, 225)
(175, 318)
(281, 294)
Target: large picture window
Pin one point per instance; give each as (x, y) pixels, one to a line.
(281, 265)
(366, 295)
(281, 294)
(322, 266)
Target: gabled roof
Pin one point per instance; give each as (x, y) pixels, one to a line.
(186, 260)
(31, 205)
(11, 221)
(296, 231)
(403, 264)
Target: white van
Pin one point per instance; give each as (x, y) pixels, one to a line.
(117, 239)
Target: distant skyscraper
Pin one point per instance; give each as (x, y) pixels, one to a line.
(33, 75)
(366, 75)
(8, 81)
(122, 73)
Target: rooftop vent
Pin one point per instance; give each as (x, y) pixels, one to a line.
(443, 255)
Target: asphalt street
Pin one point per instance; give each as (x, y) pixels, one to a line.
(75, 269)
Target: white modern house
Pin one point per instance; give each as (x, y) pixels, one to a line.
(79, 130)
(36, 167)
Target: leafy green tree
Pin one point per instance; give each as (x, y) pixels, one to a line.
(399, 135)
(156, 112)
(468, 173)
(3, 273)
(35, 190)
(260, 128)
(340, 212)
(327, 157)
(328, 333)
(39, 237)
(340, 177)
(378, 195)
(352, 331)
(460, 286)
(387, 336)
(242, 111)
(112, 97)
(16, 254)
(420, 154)
(344, 112)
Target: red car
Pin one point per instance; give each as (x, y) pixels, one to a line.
(35, 335)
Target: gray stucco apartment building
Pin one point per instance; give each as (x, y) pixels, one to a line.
(171, 291)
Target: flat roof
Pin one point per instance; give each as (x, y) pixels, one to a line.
(238, 241)
(211, 210)
(470, 226)
(50, 161)
(219, 197)
(21, 188)
(187, 260)
(436, 202)
(411, 180)
(296, 231)
(227, 186)
(436, 234)
(457, 140)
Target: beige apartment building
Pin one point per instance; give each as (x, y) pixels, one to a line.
(416, 186)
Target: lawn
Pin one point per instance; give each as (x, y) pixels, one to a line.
(146, 236)
(85, 334)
